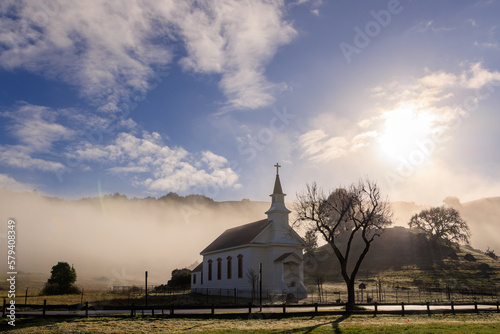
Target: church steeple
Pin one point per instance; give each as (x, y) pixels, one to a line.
(278, 213)
(277, 184)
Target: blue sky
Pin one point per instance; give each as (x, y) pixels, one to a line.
(149, 97)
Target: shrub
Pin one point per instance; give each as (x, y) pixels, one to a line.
(491, 253)
(61, 280)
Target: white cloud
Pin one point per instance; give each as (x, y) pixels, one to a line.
(235, 40)
(422, 26)
(143, 160)
(111, 51)
(102, 47)
(439, 79)
(425, 26)
(212, 160)
(147, 162)
(477, 77)
(35, 127)
(38, 129)
(474, 77)
(472, 22)
(19, 157)
(488, 45)
(7, 182)
(318, 146)
(363, 139)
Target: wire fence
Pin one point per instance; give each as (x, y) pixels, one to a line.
(406, 294)
(337, 294)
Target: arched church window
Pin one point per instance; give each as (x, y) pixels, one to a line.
(229, 267)
(240, 266)
(209, 270)
(219, 268)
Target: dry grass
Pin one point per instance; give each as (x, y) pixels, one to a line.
(260, 323)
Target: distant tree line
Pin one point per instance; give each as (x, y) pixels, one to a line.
(171, 196)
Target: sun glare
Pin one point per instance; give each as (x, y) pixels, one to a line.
(402, 131)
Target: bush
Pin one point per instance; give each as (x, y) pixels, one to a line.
(61, 280)
(469, 257)
(483, 267)
(55, 289)
(491, 253)
(181, 278)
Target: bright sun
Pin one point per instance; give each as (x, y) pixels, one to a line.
(402, 131)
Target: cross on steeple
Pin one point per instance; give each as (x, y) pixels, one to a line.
(277, 168)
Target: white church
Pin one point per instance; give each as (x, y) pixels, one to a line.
(239, 251)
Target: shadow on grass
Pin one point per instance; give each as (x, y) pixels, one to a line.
(310, 329)
(335, 324)
(37, 321)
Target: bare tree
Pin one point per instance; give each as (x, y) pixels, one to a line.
(253, 278)
(442, 224)
(358, 211)
(319, 278)
(311, 240)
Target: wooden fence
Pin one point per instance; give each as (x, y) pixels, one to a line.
(235, 310)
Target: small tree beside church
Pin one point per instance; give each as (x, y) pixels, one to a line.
(346, 214)
(61, 281)
(181, 279)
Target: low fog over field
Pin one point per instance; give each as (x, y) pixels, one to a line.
(113, 239)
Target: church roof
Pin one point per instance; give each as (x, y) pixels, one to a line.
(198, 268)
(282, 257)
(237, 236)
(287, 255)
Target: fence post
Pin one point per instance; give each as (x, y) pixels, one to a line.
(498, 310)
(475, 306)
(86, 309)
(403, 309)
(152, 311)
(213, 309)
(284, 308)
(428, 309)
(452, 308)
(376, 308)
(44, 305)
(171, 309)
(249, 308)
(316, 308)
(132, 310)
(26, 297)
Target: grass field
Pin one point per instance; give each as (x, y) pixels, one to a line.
(486, 323)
